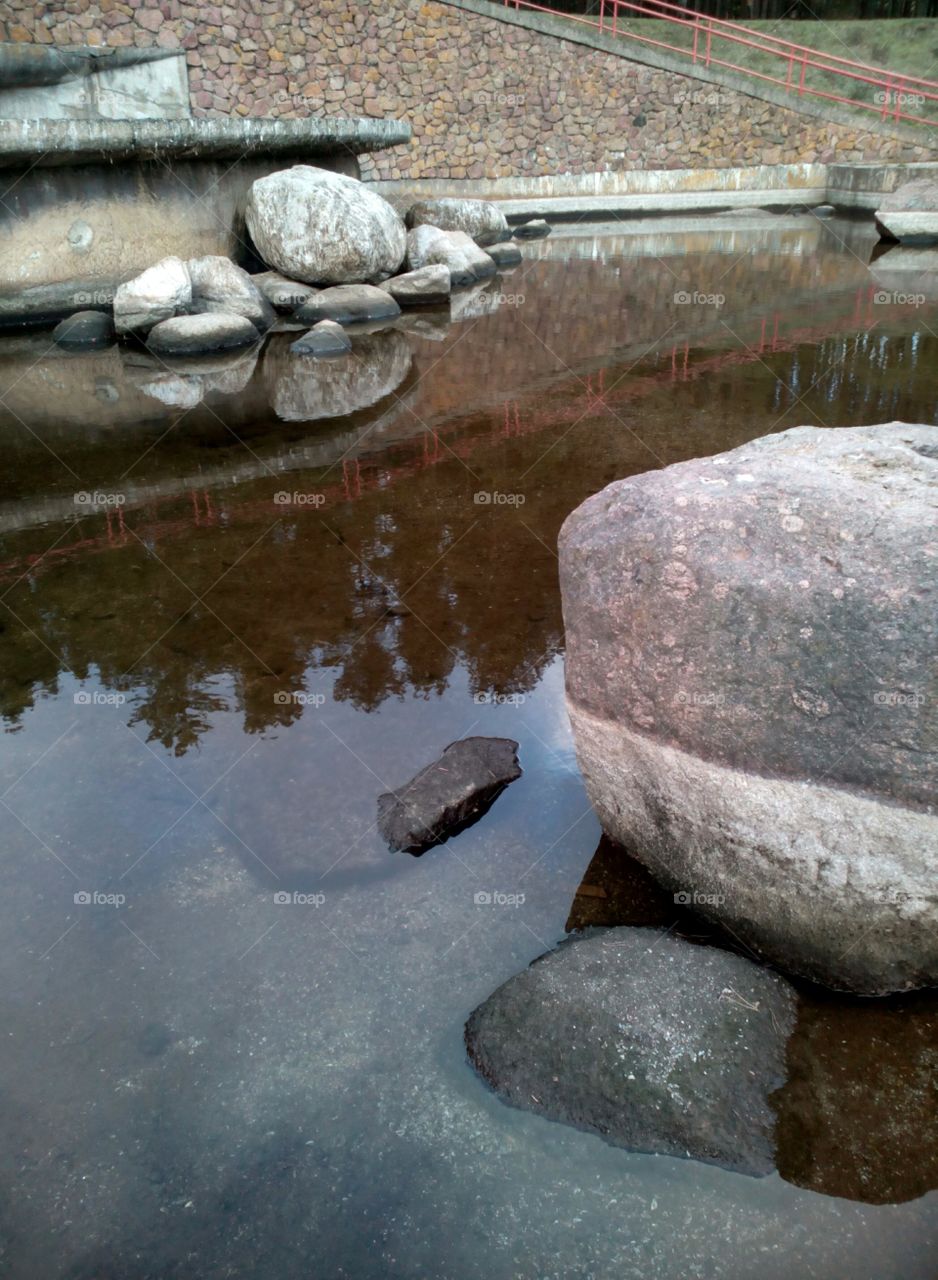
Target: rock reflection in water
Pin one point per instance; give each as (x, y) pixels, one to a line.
(857, 1116)
(304, 389)
(909, 274)
(185, 382)
(48, 387)
(616, 889)
(481, 300)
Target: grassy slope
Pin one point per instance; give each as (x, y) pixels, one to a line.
(908, 45)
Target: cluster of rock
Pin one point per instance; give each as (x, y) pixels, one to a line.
(749, 664)
(338, 255)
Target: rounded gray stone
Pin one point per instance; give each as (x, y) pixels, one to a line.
(655, 1044)
(427, 286)
(193, 335)
(533, 229)
(348, 304)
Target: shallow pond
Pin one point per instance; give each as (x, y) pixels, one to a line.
(242, 598)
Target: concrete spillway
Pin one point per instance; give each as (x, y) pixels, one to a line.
(85, 204)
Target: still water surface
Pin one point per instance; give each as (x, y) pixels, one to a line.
(293, 584)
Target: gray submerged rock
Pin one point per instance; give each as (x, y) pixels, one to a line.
(505, 255)
(910, 213)
(283, 294)
(449, 794)
(750, 678)
(83, 330)
(348, 304)
(655, 1044)
(193, 335)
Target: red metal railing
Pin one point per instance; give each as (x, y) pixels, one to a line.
(887, 93)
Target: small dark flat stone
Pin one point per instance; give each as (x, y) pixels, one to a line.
(449, 794)
(84, 329)
(324, 339)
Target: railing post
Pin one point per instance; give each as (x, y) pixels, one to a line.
(791, 69)
(615, 14)
(804, 68)
(886, 96)
(696, 34)
(709, 37)
(602, 13)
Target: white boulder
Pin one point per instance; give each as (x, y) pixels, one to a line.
(156, 294)
(320, 227)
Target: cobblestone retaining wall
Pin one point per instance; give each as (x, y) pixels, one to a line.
(485, 99)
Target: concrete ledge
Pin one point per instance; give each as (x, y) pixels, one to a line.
(657, 191)
(629, 194)
(662, 202)
(33, 65)
(861, 186)
(44, 143)
(565, 27)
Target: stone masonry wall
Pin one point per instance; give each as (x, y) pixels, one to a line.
(485, 99)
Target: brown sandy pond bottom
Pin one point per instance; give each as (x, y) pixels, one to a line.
(242, 598)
